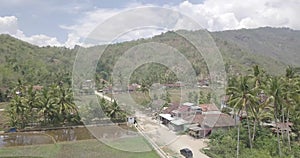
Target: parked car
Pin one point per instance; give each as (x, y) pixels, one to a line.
(187, 153)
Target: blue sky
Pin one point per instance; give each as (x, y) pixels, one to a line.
(65, 23)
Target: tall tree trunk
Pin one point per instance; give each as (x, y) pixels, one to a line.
(288, 132)
(254, 130)
(277, 131)
(283, 119)
(249, 131)
(238, 141)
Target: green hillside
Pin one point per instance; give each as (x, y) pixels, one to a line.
(271, 48)
(278, 43)
(33, 64)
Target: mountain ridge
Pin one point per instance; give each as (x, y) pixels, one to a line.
(271, 48)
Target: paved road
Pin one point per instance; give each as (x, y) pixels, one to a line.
(194, 144)
(104, 96)
(160, 136)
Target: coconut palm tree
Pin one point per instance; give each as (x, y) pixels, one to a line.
(19, 109)
(115, 112)
(258, 108)
(65, 102)
(46, 104)
(290, 95)
(274, 90)
(241, 98)
(31, 102)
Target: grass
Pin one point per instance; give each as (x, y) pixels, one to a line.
(86, 148)
(132, 143)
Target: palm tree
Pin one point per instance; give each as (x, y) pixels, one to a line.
(241, 99)
(261, 112)
(274, 90)
(65, 102)
(19, 109)
(259, 109)
(290, 95)
(115, 112)
(46, 104)
(32, 103)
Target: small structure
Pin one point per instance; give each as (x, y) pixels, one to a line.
(174, 85)
(188, 104)
(199, 132)
(280, 126)
(87, 87)
(131, 120)
(133, 87)
(170, 108)
(179, 125)
(214, 121)
(209, 109)
(182, 111)
(166, 119)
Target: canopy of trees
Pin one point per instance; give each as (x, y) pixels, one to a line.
(261, 99)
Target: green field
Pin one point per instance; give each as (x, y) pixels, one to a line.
(87, 148)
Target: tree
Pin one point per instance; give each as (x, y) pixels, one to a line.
(290, 95)
(18, 111)
(274, 91)
(242, 98)
(202, 98)
(46, 104)
(115, 112)
(65, 102)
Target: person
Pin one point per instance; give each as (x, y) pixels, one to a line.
(135, 122)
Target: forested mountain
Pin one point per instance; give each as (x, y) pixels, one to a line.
(33, 64)
(271, 48)
(279, 43)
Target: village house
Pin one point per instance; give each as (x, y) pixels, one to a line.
(199, 120)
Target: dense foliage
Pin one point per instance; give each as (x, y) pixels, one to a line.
(46, 106)
(269, 107)
(102, 111)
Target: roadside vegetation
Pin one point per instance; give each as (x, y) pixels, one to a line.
(269, 108)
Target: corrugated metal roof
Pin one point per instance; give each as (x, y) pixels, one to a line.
(166, 116)
(179, 122)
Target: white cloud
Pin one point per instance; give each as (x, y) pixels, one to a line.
(9, 25)
(214, 15)
(217, 15)
(39, 40)
(72, 40)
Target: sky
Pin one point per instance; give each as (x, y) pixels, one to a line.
(68, 22)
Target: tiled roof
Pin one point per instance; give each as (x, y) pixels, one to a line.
(214, 120)
(209, 107)
(183, 108)
(172, 106)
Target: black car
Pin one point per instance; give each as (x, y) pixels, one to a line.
(186, 153)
